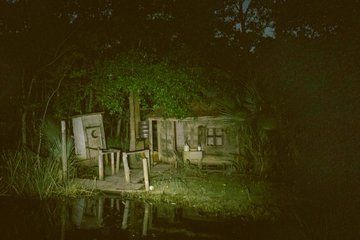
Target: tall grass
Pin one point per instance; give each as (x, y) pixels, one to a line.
(23, 175)
(26, 175)
(52, 142)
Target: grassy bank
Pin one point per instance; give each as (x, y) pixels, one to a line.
(23, 174)
(215, 193)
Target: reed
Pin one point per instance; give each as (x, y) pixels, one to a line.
(24, 174)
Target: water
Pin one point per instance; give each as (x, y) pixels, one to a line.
(116, 218)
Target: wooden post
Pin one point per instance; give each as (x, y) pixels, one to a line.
(77, 211)
(126, 168)
(101, 165)
(132, 122)
(63, 149)
(112, 163)
(137, 113)
(151, 147)
(125, 215)
(117, 162)
(146, 174)
(112, 202)
(160, 128)
(105, 159)
(117, 202)
(100, 210)
(147, 155)
(150, 216)
(146, 219)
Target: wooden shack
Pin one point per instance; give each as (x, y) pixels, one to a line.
(88, 130)
(211, 140)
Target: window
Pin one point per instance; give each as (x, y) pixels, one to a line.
(215, 136)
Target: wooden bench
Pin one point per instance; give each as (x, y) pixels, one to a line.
(198, 158)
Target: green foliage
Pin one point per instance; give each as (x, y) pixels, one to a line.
(52, 142)
(162, 87)
(255, 122)
(26, 175)
(76, 93)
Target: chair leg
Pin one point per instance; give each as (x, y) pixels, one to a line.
(112, 163)
(101, 166)
(117, 162)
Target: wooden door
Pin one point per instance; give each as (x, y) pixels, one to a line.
(94, 140)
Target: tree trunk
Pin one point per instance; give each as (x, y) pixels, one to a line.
(118, 128)
(136, 114)
(126, 131)
(132, 145)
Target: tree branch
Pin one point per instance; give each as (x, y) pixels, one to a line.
(44, 115)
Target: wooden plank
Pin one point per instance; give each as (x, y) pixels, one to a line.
(126, 168)
(112, 203)
(103, 139)
(117, 204)
(137, 113)
(147, 155)
(180, 137)
(79, 138)
(112, 163)
(100, 210)
(136, 151)
(146, 219)
(146, 174)
(124, 223)
(117, 184)
(159, 132)
(132, 122)
(101, 166)
(151, 147)
(108, 187)
(117, 161)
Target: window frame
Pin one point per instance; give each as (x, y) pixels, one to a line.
(214, 133)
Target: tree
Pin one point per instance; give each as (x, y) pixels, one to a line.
(163, 88)
(317, 19)
(27, 54)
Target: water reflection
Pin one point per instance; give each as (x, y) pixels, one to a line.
(87, 213)
(138, 218)
(116, 218)
(99, 213)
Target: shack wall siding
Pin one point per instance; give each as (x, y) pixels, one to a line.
(167, 142)
(79, 137)
(187, 131)
(83, 130)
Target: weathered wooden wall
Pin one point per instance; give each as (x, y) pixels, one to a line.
(89, 134)
(174, 133)
(166, 140)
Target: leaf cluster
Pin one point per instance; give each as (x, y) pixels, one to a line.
(163, 88)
